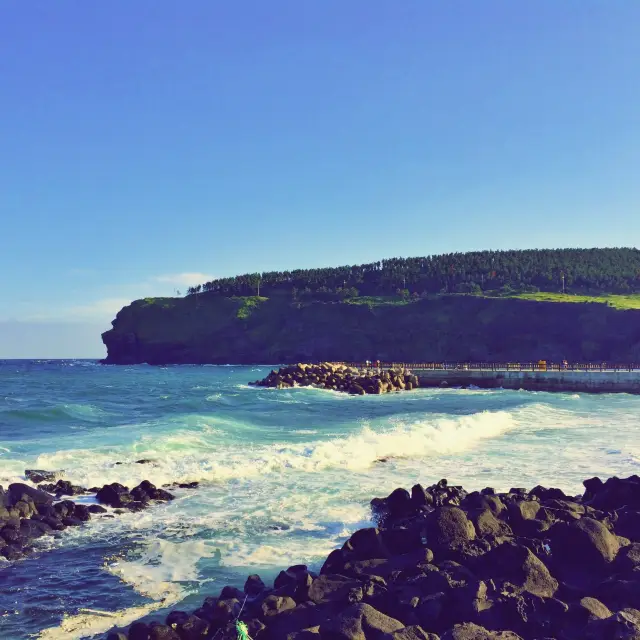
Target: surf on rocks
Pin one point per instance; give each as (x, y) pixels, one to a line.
(444, 564)
(337, 377)
(28, 513)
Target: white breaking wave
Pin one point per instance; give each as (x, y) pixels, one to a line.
(90, 623)
(157, 573)
(187, 455)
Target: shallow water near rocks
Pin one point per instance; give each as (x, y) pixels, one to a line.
(285, 476)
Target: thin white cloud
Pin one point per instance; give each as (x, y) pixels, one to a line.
(115, 297)
(184, 279)
(98, 309)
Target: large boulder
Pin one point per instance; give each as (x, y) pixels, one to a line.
(384, 567)
(517, 565)
(19, 491)
(295, 582)
(582, 550)
(624, 625)
(470, 631)
(487, 524)
(616, 493)
(336, 589)
(38, 475)
(273, 605)
(449, 528)
(114, 495)
(628, 525)
(365, 544)
(359, 622)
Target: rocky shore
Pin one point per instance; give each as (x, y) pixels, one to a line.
(338, 377)
(444, 564)
(28, 513)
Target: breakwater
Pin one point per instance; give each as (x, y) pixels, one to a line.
(586, 378)
(339, 377)
(574, 381)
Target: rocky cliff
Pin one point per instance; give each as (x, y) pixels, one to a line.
(219, 330)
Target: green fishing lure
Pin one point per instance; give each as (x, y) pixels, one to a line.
(243, 632)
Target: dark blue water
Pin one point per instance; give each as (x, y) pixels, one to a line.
(285, 476)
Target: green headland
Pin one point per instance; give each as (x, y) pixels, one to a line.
(574, 304)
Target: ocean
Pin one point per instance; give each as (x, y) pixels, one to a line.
(285, 475)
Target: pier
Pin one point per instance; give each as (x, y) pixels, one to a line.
(531, 376)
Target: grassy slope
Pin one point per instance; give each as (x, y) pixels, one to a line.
(619, 302)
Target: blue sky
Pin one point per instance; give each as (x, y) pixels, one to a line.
(147, 142)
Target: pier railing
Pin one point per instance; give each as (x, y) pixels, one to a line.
(496, 366)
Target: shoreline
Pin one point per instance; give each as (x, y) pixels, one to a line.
(444, 564)
(28, 513)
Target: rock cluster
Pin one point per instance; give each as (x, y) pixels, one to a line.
(450, 565)
(27, 513)
(338, 377)
(119, 496)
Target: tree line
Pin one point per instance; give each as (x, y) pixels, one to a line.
(614, 270)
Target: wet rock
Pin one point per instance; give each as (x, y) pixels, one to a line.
(517, 565)
(19, 491)
(38, 475)
(295, 582)
(162, 495)
(63, 488)
(96, 508)
(176, 617)
(449, 528)
(487, 524)
(628, 525)
(335, 588)
(413, 632)
(624, 625)
(582, 550)
(628, 559)
(273, 605)
(544, 494)
(139, 631)
(470, 631)
(339, 378)
(616, 493)
(359, 622)
(162, 632)
(191, 628)
(420, 497)
(113, 495)
(254, 585)
(365, 544)
(619, 593)
(64, 508)
(583, 612)
(12, 552)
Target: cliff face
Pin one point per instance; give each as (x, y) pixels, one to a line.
(218, 330)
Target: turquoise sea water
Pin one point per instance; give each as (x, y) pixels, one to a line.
(285, 476)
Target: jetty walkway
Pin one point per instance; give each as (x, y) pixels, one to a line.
(588, 377)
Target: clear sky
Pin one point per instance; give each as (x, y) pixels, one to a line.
(147, 145)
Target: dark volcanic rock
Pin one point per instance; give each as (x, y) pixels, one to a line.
(19, 491)
(37, 475)
(444, 564)
(449, 528)
(340, 378)
(112, 495)
(359, 621)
